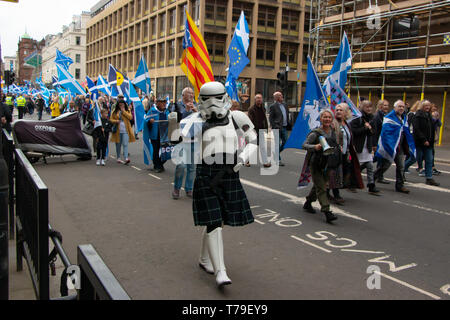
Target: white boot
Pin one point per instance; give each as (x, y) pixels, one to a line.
(215, 249)
(204, 261)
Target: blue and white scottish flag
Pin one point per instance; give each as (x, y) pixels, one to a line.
(342, 64)
(308, 118)
(103, 86)
(68, 82)
(92, 88)
(237, 52)
(390, 137)
(142, 78)
(139, 111)
(63, 60)
(97, 117)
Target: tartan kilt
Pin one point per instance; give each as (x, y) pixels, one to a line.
(229, 205)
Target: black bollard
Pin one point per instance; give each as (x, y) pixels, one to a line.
(4, 254)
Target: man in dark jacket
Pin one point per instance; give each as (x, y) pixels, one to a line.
(40, 104)
(424, 139)
(278, 118)
(257, 113)
(382, 110)
(364, 142)
(5, 117)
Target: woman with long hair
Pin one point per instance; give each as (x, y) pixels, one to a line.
(122, 133)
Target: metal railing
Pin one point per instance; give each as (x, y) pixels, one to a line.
(32, 224)
(91, 277)
(8, 154)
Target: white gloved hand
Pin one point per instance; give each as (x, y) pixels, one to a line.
(237, 167)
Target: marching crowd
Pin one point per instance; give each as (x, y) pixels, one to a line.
(354, 142)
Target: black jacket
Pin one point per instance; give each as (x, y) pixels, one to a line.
(378, 123)
(360, 132)
(423, 128)
(276, 115)
(103, 136)
(5, 112)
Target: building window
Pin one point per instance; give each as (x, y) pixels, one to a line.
(145, 30)
(182, 16)
(154, 29)
(77, 74)
(131, 10)
(138, 33)
(216, 13)
(78, 41)
(181, 83)
(162, 25)
(131, 34)
(172, 21)
(162, 54)
(266, 19)
(146, 6)
(216, 47)
(288, 54)
(78, 58)
(130, 61)
(265, 53)
(247, 8)
(164, 87)
(290, 22)
(171, 48)
(152, 57)
(195, 5)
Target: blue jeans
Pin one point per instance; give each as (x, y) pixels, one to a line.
(124, 139)
(409, 162)
(179, 175)
(427, 154)
(283, 139)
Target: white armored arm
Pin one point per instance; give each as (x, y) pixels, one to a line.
(246, 129)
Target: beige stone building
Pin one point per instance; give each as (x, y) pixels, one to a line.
(72, 43)
(120, 31)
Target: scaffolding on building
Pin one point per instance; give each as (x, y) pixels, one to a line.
(398, 45)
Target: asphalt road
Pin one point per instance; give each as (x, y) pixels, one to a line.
(149, 242)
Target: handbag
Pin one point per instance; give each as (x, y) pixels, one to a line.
(88, 128)
(114, 128)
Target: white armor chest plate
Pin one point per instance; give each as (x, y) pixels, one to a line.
(220, 140)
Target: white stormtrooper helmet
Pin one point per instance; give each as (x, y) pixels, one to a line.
(213, 99)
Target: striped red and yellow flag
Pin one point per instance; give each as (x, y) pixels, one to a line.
(195, 61)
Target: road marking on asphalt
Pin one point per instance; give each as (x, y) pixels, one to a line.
(422, 208)
(410, 286)
(418, 185)
(295, 199)
(311, 244)
(363, 251)
(136, 168)
(151, 175)
(415, 167)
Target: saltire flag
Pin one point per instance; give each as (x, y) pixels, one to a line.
(231, 87)
(142, 77)
(40, 83)
(237, 51)
(63, 60)
(139, 111)
(55, 82)
(337, 95)
(103, 86)
(68, 82)
(195, 61)
(118, 83)
(92, 88)
(342, 64)
(308, 118)
(391, 132)
(97, 117)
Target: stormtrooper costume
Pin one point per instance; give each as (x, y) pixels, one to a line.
(218, 196)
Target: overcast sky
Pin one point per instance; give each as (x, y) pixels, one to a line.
(37, 17)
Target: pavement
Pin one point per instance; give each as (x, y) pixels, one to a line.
(149, 242)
